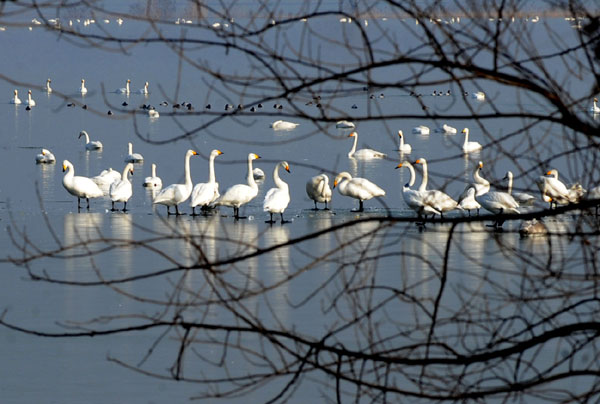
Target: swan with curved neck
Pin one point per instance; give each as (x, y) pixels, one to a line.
(121, 190)
(15, 99)
(90, 145)
(469, 146)
(206, 193)
(277, 199)
(357, 188)
(175, 194)
(153, 181)
(403, 147)
(363, 153)
(317, 189)
(81, 187)
(413, 198)
(555, 191)
(240, 194)
(83, 89)
(439, 200)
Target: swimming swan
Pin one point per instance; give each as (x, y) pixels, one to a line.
(345, 125)
(144, 90)
(153, 181)
(47, 88)
(15, 100)
(363, 153)
(421, 130)
(90, 145)
(277, 199)
(413, 198)
(124, 90)
(469, 146)
(175, 194)
(240, 194)
(357, 188)
(283, 125)
(83, 89)
(595, 109)
(317, 189)
(30, 101)
(206, 193)
(131, 156)
(439, 200)
(81, 187)
(45, 157)
(121, 190)
(403, 147)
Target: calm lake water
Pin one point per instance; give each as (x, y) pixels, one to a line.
(77, 370)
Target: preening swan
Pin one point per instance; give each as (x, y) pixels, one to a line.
(277, 199)
(556, 192)
(240, 194)
(479, 95)
(121, 190)
(421, 130)
(437, 199)
(45, 157)
(81, 187)
(206, 193)
(317, 189)
(469, 147)
(153, 181)
(47, 88)
(106, 177)
(174, 194)
(357, 188)
(258, 174)
(413, 198)
(90, 145)
(595, 109)
(522, 198)
(144, 90)
(124, 90)
(403, 147)
(469, 203)
(15, 99)
(131, 156)
(345, 125)
(283, 125)
(82, 88)
(446, 129)
(30, 101)
(363, 153)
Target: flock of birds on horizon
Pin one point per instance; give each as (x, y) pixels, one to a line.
(206, 195)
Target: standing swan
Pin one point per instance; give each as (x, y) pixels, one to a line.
(240, 194)
(206, 193)
(90, 145)
(30, 101)
(357, 188)
(83, 89)
(521, 197)
(15, 99)
(121, 190)
(317, 189)
(469, 203)
(47, 88)
(124, 90)
(81, 187)
(498, 203)
(363, 153)
(403, 147)
(413, 198)
(153, 181)
(439, 200)
(595, 109)
(556, 192)
(131, 156)
(174, 194)
(469, 147)
(277, 199)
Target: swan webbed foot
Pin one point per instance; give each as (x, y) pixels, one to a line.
(284, 221)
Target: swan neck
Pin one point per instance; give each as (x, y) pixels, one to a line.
(211, 169)
(351, 153)
(423, 186)
(125, 172)
(250, 176)
(87, 137)
(510, 184)
(466, 137)
(412, 175)
(278, 181)
(154, 170)
(130, 148)
(186, 169)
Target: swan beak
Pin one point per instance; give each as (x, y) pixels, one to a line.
(549, 173)
(352, 134)
(256, 156)
(287, 168)
(131, 171)
(462, 131)
(418, 161)
(480, 164)
(335, 183)
(219, 152)
(194, 153)
(64, 168)
(399, 165)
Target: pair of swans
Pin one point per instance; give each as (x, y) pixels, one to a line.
(317, 189)
(357, 188)
(240, 194)
(363, 154)
(81, 187)
(126, 90)
(153, 181)
(556, 192)
(415, 199)
(496, 202)
(204, 194)
(90, 144)
(277, 199)
(45, 157)
(175, 194)
(469, 147)
(121, 190)
(131, 156)
(30, 102)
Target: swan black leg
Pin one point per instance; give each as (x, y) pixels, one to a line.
(193, 211)
(283, 221)
(360, 206)
(125, 206)
(236, 213)
(177, 210)
(326, 208)
(270, 221)
(315, 208)
(168, 211)
(112, 209)
(88, 202)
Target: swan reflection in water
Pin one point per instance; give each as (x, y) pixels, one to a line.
(81, 228)
(47, 178)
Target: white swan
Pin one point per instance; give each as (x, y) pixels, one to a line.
(124, 90)
(90, 145)
(317, 189)
(258, 174)
(152, 113)
(403, 147)
(131, 156)
(345, 125)
(283, 125)
(47, 88)
(30, 101)
(413, 198)
(446, 129)
(469, 203)
(15, 99)
(45, 157)
(106, 177)
(174, 194)
(421, 130)
(439, 200)
(522, 198)
(595, 109)
(144, 90)
(240, 194)
(357, 188)
(479, 95)
(81, 187)
(277, 199)
(469, 147)
(556, 192)
(206, 193)
(363, 153)
(497, 203)
(82, 88)
(121, 190)
(153, 181)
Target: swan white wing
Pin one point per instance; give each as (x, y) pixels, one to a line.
(361, 188)
(368, 154)
(204, 194)
(498, 202)
(120, 191)
(276, 200)
(440, 200)
(237, 195)
(173, 194)
(83, 187)
(523, 199)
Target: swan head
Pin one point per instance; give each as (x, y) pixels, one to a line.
(465, 131)
(595, 99)
(29, 92)
(553, 173)
(16, 92)
(216, 153)
(286, 166)
(82, 81)
(508, 176)
(353, 134)
(48, 81)
(146, 84)
(421, 161)
(66, 164)
(128, 80)
(341, 176)
(480, 164)
(253, 156)
(400, 134)
(82, 133)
